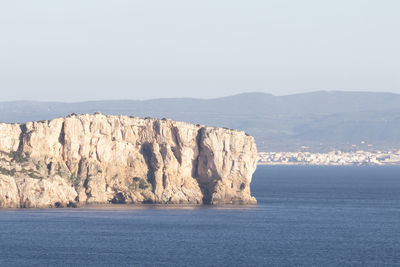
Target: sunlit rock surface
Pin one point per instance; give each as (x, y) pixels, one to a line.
(86, 159)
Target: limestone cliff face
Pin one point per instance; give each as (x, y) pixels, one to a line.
(117, 159)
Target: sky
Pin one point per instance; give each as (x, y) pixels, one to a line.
(80, 50)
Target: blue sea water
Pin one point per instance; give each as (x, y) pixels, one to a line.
(306, 216)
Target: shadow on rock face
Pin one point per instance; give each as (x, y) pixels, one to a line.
(119, 198)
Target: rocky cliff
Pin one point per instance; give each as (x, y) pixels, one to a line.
(117, 159)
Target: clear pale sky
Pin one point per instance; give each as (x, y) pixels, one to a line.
(125, 49)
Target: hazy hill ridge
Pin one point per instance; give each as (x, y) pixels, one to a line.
(321, 120)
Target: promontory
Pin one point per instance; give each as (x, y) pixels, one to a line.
(85, 159)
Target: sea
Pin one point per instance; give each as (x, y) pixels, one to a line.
(305, 216)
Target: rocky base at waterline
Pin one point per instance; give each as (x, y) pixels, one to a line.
(84, 159)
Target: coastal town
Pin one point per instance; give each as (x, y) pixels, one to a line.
(338, 157)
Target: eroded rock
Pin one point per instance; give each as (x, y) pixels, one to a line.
(118, 159)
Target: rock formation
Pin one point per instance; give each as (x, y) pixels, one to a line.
(85, 159)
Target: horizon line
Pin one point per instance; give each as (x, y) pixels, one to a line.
(195, 98)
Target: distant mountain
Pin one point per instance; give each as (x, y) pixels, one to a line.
(320, 120)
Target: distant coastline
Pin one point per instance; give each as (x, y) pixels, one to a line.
(335, 158)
